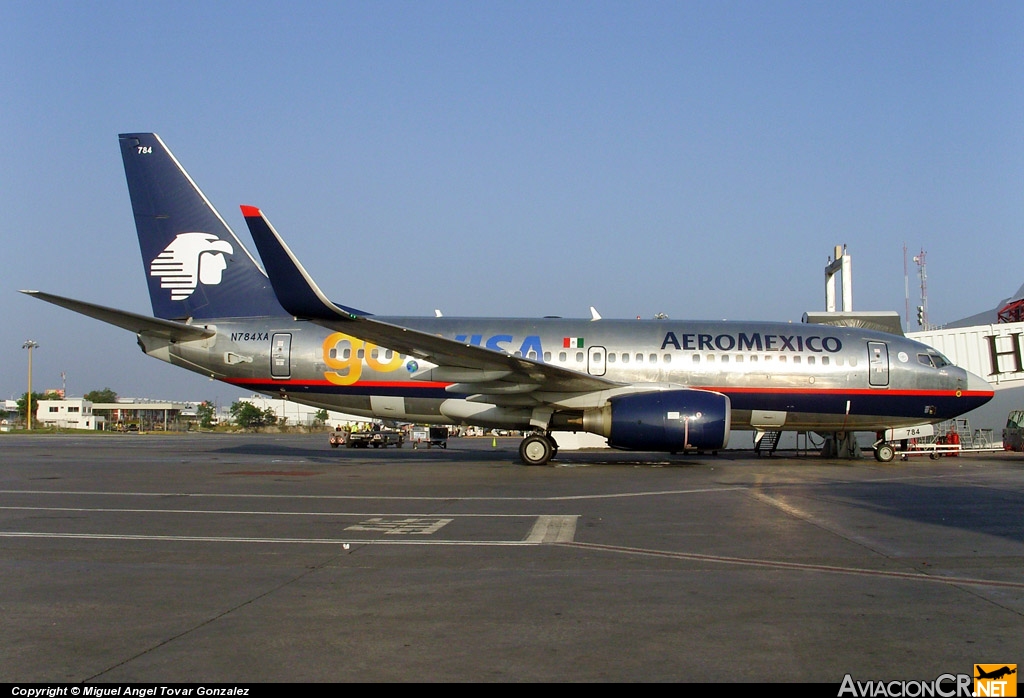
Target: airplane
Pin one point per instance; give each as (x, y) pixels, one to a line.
(646, 385)
(995, 673)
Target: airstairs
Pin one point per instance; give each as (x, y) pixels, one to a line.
(768, 442)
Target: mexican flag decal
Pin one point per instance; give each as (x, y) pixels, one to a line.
(572, 342)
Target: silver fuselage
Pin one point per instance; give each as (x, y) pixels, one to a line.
(777, 375)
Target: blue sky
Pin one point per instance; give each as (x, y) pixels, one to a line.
(699, 159)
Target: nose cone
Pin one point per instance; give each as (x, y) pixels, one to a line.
(979, 391)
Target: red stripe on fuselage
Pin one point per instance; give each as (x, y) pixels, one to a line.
(315, 383)
(843, 391)
(727, 390)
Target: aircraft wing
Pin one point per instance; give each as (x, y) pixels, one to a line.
(139, 324)
(475, 369)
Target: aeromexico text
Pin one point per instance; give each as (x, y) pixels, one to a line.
(741, 341)
(755, 341)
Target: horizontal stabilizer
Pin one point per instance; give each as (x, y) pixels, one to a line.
(139, 324)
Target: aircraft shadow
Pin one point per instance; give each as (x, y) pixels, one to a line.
(977, 509)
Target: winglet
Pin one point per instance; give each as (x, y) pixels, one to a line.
(295, 289)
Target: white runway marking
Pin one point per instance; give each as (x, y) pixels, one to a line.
(286, 541)
(252, 512)
(553, 529)
(339, 497)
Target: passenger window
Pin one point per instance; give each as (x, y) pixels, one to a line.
(667, 358)
(547, 357)
(696, 358)
(824, 361)
(796, 359)
(611, 358)
(810, 360)
(625, 358)
(361, 353)
(725, 358)
(579, 357)
(639, 358)
(562, 356)
(853, 360)
(739, 358)
(782, 359)
(654, 358)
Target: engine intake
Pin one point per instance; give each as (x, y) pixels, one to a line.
(669, 420)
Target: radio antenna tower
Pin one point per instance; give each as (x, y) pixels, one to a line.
(906, 288)
(922, 271)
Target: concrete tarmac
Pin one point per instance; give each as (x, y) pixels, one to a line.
(271, 558)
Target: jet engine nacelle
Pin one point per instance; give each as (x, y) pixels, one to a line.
(669, 420)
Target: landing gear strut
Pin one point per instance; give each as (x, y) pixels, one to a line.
(537, 449)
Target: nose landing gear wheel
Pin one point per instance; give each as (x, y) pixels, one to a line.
(884, 453)
(536, 449)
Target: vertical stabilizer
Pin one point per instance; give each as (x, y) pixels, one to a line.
(195, 265)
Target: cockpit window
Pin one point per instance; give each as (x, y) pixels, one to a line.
(933, 359)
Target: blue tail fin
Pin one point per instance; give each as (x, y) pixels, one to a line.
(195, 266)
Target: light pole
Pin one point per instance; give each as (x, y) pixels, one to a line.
(30, 345)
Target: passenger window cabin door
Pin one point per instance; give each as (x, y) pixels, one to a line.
(281, 355)
(878, 364)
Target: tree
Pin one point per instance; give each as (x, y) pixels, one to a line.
(105, 395)
(249, 416)
(320, 418)
(205, 414)
(36, 397)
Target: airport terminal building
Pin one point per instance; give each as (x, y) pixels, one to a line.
(76, 413)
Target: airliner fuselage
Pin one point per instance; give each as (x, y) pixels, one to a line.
(784, 376)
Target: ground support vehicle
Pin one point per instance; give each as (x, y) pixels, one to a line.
(431, 436)
(438, 437)
(1013, 434)
(377, 439)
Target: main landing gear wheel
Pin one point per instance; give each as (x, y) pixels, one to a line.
(536, 449)
(884, 453)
